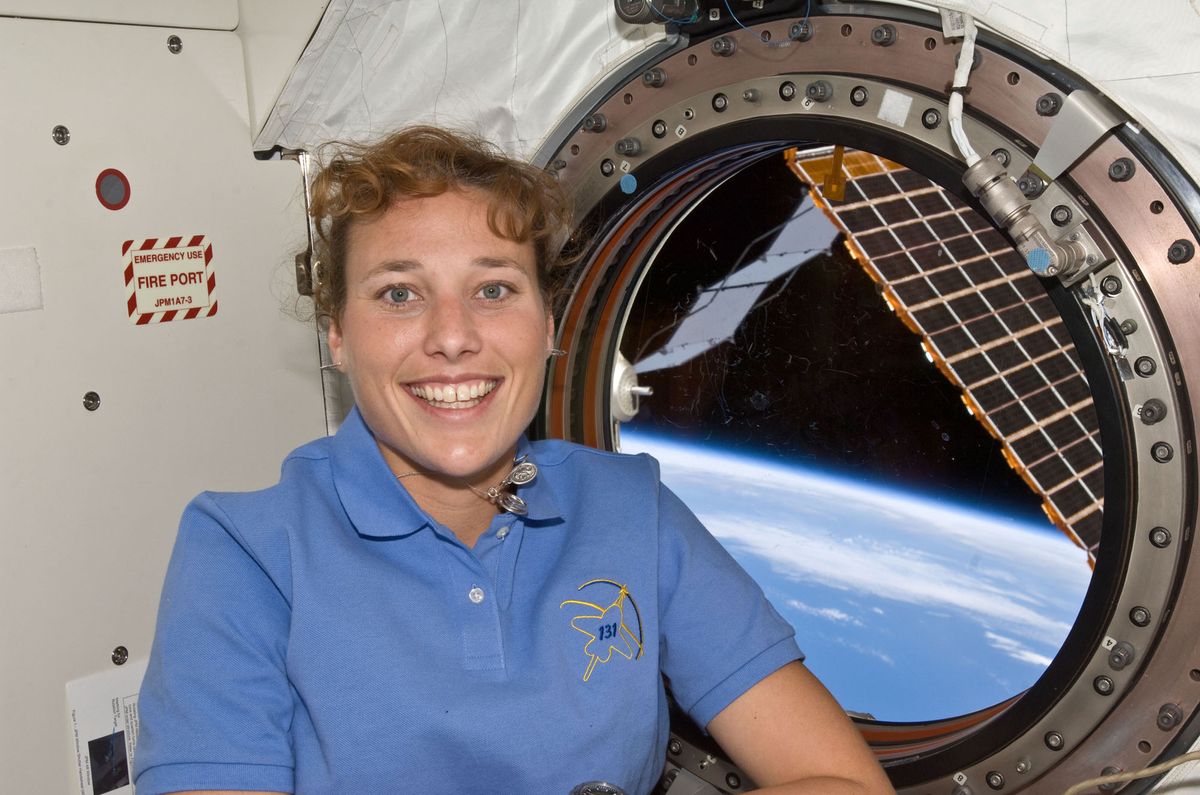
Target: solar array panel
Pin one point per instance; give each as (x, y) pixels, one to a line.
(984, 319)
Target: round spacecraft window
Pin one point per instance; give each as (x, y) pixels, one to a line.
(856, 463)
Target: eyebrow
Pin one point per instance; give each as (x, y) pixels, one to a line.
(408, 265)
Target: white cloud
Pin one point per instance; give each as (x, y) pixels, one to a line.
(884, 544)
(828, 613)
(1016, 650)
(885, 571)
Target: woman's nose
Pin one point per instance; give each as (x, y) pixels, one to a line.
(451, 331)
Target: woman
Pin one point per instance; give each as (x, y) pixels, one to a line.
(412, 608)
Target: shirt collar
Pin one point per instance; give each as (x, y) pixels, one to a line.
(380, 507)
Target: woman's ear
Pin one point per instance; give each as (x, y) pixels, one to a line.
(334, 336)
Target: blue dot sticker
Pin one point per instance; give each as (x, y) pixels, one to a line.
(1038, 259)
(629, 183)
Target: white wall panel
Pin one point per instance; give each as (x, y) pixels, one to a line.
(210, 14)
(89, 501)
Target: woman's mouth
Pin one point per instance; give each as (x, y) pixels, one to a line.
(453, 396)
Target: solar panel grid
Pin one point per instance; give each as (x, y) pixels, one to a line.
(1043, 404)
(952, 342)
(970, 305)
(1016, 317)
(983, 271)
(914, 291)
(1082, 454)
(957, 281)
(1071, 497)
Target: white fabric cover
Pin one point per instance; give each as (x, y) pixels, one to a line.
(510, 69)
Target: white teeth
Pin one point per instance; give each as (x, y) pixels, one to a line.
(454, 396)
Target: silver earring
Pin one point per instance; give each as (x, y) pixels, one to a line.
(556, 352)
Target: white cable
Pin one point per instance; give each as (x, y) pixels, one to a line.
(962, 73)
(1121, 778)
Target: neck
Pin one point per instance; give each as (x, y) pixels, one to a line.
(458, 503)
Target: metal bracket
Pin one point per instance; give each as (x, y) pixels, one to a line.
(1097, 253)
(305, 266)
(1085, 118)
(1108, 329)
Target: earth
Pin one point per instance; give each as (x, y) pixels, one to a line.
(909, 607)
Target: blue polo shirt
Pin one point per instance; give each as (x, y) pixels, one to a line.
(327, 635)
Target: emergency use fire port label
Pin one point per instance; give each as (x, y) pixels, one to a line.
(169, 278)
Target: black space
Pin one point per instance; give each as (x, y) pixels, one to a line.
(820, 372)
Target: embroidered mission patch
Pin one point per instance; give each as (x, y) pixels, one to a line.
(606, 623)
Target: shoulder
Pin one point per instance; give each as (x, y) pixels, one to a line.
(557, 454)
(304, 472)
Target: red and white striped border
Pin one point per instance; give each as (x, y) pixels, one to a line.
(127, 249)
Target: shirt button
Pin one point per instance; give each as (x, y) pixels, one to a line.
(475, 594)
(502, 532)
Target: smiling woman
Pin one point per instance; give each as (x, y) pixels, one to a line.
(430, 598)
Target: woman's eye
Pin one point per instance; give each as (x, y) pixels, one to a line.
(494, 292)
(398, 295)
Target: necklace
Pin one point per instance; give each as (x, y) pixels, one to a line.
(522, 472)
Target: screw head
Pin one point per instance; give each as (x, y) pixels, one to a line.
(1121, 169)
(174, 44)
(859, 96)
(1031, 185)
(1162, 452)
(120, 655)
(1103, 685)
(60, 135)
(1169, 716)
(1049, 104)
(1002, 156)
(1140, 616)
(883, 35)
(750, 95)
(91, 401)
(1120, 656)
(800, 31)
(659, 128)
(1145, 366)
(819, 91)
(1054, 741)
(1181, 251)
(675, 747)
(1061, 215)
(1128, 326)
(654, 78)
(607, 167)
(787, 91)
(629, 147)
(720, 103)
(994, 779)
(1024, 765)
(930, 119)
(596, 123)
(733, 780)
(723, 46)
(1153, 411)
(1160, 537)
(1110, 285)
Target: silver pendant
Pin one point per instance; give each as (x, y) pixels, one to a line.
(511, 503)
(522, 473)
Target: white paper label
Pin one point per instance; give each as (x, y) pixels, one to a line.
(954, 24)
(895, 107)
(103, 719)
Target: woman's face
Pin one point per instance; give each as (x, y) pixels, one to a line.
(444, 336)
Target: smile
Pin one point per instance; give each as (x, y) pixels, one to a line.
(453, 396)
